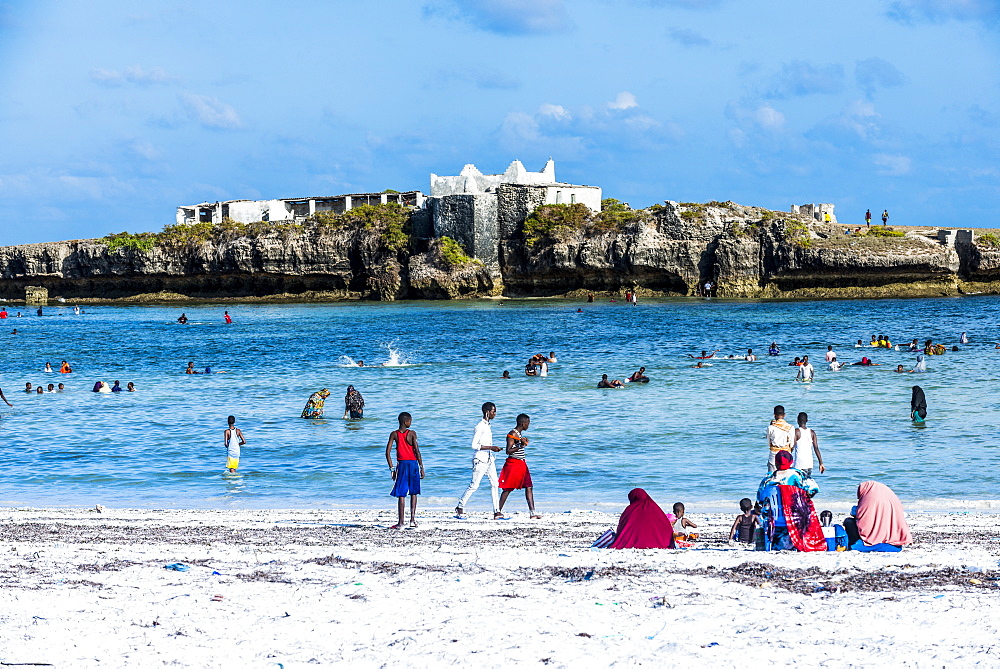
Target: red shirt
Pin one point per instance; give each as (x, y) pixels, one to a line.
(404, 451)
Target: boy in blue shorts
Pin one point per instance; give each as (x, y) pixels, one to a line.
(408, 471)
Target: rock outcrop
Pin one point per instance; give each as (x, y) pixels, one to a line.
(671, 249)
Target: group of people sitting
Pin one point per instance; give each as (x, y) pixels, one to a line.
(784, 518)
(103, 387)
(538, 364)
(637, 377)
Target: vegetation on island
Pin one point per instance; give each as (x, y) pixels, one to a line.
(561, 221)
(883, 231)
(390, 221)
(451, 254)
(989, 240)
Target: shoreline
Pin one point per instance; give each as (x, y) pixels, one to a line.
(292, 587)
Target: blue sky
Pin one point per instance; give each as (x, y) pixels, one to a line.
(115, 112)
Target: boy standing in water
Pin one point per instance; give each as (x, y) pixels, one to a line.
(515, 474)
(233, 439)
(408, 471)
(806, 443)
(779, 436)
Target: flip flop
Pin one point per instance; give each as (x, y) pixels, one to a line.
(412, 526)
(397, 526)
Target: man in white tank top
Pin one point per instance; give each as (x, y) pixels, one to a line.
(233, 439)
(805, 444)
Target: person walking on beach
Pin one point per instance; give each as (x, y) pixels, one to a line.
(515, 474)
(885, 216)
(779, 436)
(408, 471)
(806, 444)
(483, 462)
(233, 439)
(805, 370)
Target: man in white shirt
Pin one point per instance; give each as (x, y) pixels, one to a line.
(830, 355)
(805, 370)
(483, 462)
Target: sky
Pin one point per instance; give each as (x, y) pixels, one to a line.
(114, 112)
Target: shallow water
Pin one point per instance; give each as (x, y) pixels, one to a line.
(695, 435)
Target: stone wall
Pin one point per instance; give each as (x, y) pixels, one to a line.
(515, 203)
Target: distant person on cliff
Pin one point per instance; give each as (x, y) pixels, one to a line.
(826, 218)
(229, 319)
(183, 319)
(190, 369)
(868, 218)
(885, 216)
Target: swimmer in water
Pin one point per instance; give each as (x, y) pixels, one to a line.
(773, 349)
(552, 357)
(900, 370)
(866, 362)
(613, 383)
(361, 363)
(48, 368)
(50, 389)
(130, 387)
(27, 387)
(183, 319)
(190, 369)
(505, 375)
(859, 344)
(229, 319)
(795, 363)
(64, 368)
(639, 377)
(750, 356)
(700, 365)
(60, 388)
(705, 355)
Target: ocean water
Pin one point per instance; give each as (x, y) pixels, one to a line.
(695, 435)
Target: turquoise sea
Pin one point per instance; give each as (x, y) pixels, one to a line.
(695, 435)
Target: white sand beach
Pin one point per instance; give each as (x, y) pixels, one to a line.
(83, 588)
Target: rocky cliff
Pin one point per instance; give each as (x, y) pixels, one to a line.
(747, 252)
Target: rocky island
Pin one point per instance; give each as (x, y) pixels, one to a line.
(504, 235)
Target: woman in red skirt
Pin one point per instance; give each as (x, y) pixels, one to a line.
(515, 474)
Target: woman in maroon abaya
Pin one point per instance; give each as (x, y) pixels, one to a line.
(643, 524)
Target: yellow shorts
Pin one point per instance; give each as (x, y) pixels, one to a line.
(232, 463)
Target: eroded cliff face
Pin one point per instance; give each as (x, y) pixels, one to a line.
(746, 252)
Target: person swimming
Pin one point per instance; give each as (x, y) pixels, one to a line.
(190, 369)
(183, 319)
(795, 363)
(705, 355)
(505, 375)
(859, 344)
(613, 383)
(639, 376)
(773, 349)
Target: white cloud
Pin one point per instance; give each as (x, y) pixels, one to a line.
(506, 17)
(210, 112)
(135, 75)
(892, 165)
(558, 112)
(768, 117)
(625, 100)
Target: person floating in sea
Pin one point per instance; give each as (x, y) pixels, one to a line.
(361, 363)
(117, 388)
(773, 349)
(64, 368)
(505, 375)
(830, 355)
(130, 387)
(750, 357)
(605, 383)
(964, 339)
(229, 319)
(48, 368)
(639, 376)
(705, 355)
(28, 388)
(859, 344)
(483, 462)
(190, 369)
(836, 366)
(795, 363)
(41, 390)
(354, 404)
(315, 404)
(3, 313)
(920, 366)
(233, 439)
(866, 362)
(408, 471)
(515, 474)
(62, 387)
(183, 319)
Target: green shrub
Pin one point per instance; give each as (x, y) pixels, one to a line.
(797, 233)
(883, 231)
(451, 253)
(555, 220)
(989, 239)
(614, 216)
(142, 241)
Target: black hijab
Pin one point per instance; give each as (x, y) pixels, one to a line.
(918, 403)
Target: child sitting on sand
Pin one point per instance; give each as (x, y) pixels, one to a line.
(681, 523)
(745, 523)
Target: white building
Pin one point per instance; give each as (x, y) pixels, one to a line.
(289, 209)
(473, 182)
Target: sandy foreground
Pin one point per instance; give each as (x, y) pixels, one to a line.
(330, 588)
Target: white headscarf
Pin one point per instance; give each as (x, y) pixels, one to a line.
(921, 365)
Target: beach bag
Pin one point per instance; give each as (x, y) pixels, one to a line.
(605, 539)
